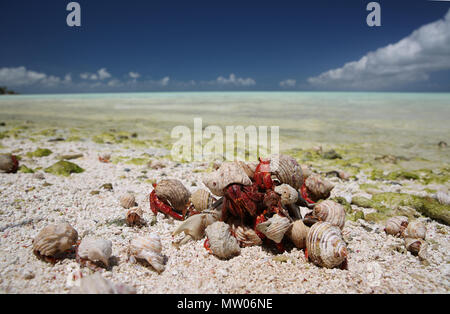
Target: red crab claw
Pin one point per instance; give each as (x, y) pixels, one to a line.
(262, 176)
(259, 220)
(240, 200)
(306, 253)
(206, 245)
(304, 193)
(157, 205)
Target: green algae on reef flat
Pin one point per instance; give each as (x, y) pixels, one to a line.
(64, 168)
(40, 152)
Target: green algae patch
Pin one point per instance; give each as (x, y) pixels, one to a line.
(401, 174)
(64, 168)
(40, 152)
(427, 206)
(25, 169)
(368, 186)
(138, 161)
(363, 202)
(73, 138)
(355, 216)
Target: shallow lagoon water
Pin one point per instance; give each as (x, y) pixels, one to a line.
(407, 124)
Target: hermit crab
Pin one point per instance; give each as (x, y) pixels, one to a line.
(170, 197)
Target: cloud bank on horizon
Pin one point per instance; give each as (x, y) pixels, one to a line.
(412, 59)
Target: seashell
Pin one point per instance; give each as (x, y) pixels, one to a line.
(331, 212)
(95, 250)
(96, 284)
(396, 225)
(149, 249)
(274, 228)
(8, 163)
(287, 170)
(228, 173)
(298, 233)
(173, 192)
(249, 168)
(289, 195)
(221, 241)
(415, 229)
(245, 235)
(201, 199)
(127, 201)
(414, 245)
(54, 240)
(325, 245)
(443, 198)
(319, 188)
(134, 217)
(157, 164)
(38, 176)
(195, 225)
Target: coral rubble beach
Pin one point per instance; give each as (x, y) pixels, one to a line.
(87, 195)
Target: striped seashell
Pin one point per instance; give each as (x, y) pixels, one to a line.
(95, 250)
(249, 168)
(396, 225)
(127, 201)
(318, 188)
(8, 163)
(173, 192)
(201, 199)
(289, 195)
(414, 245)
(415, 229)
(325, 245)
(245, 235)
(287, 170)
(97, 284)
(148, 248)
(134, 217)
(54, 240)
(274, 228)
(331, 212)
(221, 241)
(228, 173)
(298, 233)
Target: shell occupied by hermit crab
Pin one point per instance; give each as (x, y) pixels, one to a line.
(53, 241)
(201, 200)
(173, 192)
(396, 225)
(134, 217)
(127, 200)
(331, 212)
(221, 241)
(148, 248)
(94, 252)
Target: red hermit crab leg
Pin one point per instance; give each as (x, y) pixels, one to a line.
(304, 194)
(262, 176)
(157, 205)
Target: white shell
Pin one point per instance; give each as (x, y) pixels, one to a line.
(221, 241)
(245, 235)
(148, 248)
(127, 200)
(249, 167)
(274, 228)
(325, 245)
(396, 225)
(289, 195)
(195, 225)
(331, 212)
(443, 198)
(298, 233)
(96, 284)
(54, 239)
(415, 229)
(228, 173)
(319, 188)
(95, 250)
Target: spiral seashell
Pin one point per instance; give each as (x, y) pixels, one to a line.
(245, 235)
(325, 245)
(157, 164)
(249, 168)
(195, 225)
(8, 163)
(127, 201)
(134, 217)
(331, 212)
(287, 170)
(274, 228)
(298, 233)
(221, 241)
(148, 248)
(289, 195)
(414, 245)
(228, 173)
(396, 225)
(201, 199)
(96, 284)
(95, 250)
(415, 229)
(319, 188)
(173, 192)
(54, 240)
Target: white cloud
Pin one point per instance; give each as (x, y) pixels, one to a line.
(237, 81)
(20, 76)
(411, 59)
(164, 81)
(134, 75)
(101, 74)
(288, 83)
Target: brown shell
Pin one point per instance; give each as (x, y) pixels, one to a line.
(396, 225)
(318, 188)
(134, 217)
(415, 229)
(201, 199)
(298, 233)
(325, 245)
(8, 163)
(54, 240)
(228, 173)
(127, 201)
(331, 212)
(245, 235)
(414, 245)
(287, 170)
(173, 192)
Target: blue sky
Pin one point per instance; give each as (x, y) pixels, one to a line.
(137, 45)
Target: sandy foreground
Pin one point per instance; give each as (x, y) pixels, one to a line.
(377, 263)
